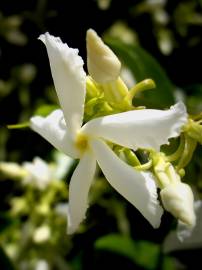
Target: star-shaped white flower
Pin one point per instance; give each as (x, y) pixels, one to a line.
(133, 129)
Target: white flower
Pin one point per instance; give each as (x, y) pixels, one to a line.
(39, 173)
(134, 129)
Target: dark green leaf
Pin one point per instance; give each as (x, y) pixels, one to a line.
(147, 255)
(168, 263)
(142, 253)
(5, 222)
(120, 244)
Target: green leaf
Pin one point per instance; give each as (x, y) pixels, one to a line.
(145, 254)
(168, 263)
(194, 98)
(144, 66)
(120, 244)
(148, 254)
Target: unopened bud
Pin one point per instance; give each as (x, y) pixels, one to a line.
(179, 201)
(103, 64)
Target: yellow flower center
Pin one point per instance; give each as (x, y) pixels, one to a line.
(81, 142)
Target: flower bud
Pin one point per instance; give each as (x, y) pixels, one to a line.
(103, 64)
(179, 201)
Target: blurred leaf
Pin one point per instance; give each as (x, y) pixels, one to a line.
(10, 29)
(122, 245)
(5, 88)
(194, 98)
(147, 254)
(144, 66)
(5, 262)
(45, 109)
(142, 253)
(5, 222)
(168, 263)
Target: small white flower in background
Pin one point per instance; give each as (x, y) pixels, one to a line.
(42, 265)
(42, 234)
(61, 209)
(185, 237)
(133, 129)
(39, 173)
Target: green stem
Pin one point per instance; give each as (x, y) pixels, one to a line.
(189, 147)
(18, 126)
(176, 155)
(145, 166)
(131, 158)
(141, 86)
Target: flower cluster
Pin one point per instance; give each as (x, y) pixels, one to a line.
(98, 124)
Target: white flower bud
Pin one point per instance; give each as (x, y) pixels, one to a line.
(179, 201)
(103, 64)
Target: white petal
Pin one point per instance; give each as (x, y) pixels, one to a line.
(69, 79)
(54, 130)
(78, 190)
(187, 234)
(138, 188)
(186, 237)
(139, 129)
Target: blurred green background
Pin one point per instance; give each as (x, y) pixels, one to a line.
(153, 38)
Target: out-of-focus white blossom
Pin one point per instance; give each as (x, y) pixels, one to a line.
(40, 174)
(42, 234)
(185, 237)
